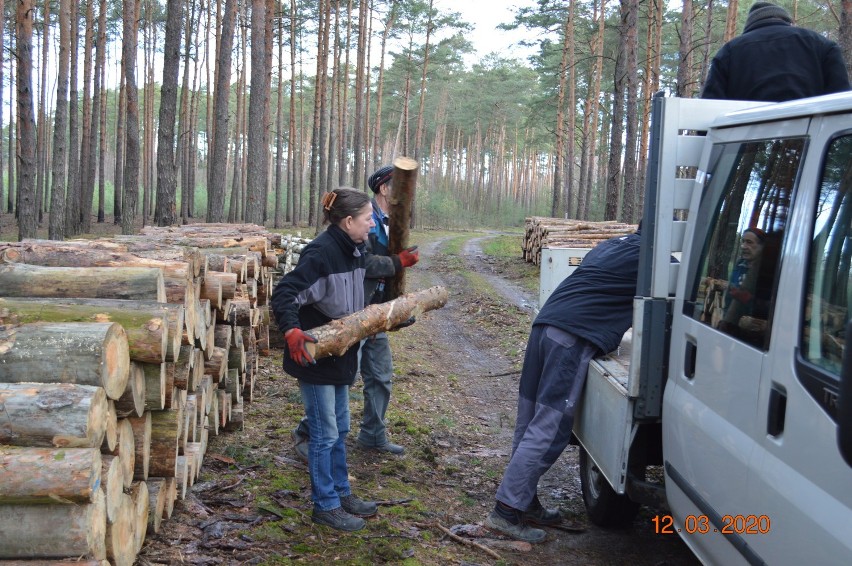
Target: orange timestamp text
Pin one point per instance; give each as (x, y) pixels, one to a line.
(701, 524)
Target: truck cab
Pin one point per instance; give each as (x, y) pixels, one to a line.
(731, 399)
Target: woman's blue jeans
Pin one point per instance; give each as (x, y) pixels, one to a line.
(327, 410)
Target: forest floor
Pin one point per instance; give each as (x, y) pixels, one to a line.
(453, 408)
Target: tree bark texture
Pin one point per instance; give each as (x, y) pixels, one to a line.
(133, 283)
(131, 120)
(56, 415)
(85, 353)
(334, 338)
(401, 202)
(218, 156)
(27, 209)
(153, 329)
(76, 530)
(166, 206)
(56, 227)
(30, 475)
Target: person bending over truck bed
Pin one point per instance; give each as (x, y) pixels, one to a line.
(586, 315)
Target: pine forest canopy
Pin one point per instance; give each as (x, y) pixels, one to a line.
(248, 110)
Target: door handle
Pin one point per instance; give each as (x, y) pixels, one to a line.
(689, 355)
(777, 410)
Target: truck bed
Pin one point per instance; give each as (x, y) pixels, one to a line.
(616, 364)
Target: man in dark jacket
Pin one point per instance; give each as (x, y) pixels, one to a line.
(773, 61)
(586, 315)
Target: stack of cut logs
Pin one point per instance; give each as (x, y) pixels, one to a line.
(118, 358)
(543, 232)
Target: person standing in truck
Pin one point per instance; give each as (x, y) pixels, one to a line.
(586, 315)
(774, 61)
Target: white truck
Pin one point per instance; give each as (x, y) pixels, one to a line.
(734, 410)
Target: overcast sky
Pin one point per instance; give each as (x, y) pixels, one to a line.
(486, 16)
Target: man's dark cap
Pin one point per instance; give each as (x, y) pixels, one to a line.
(380, 177)
(760, 12)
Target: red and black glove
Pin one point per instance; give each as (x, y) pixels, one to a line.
(296, 340)
(409, 256)
(741, 295)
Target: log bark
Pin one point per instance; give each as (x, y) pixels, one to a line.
(132, 283)
(157, 494)
(85, 353)
(142, 445)
(334, 338)
(153, 329)
(165, 427)
(139, 496)
(126, 451)
(132, 401)
(155, 386)
(120, 542)
(217, 365)
(111, 435)
(401, 202)
(112, 484)
(76, 530)
(171, 497)
(227, 282)
(99, 253)
(57, 414)
(48, 475)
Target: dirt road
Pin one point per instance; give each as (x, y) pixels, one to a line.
(456, 373)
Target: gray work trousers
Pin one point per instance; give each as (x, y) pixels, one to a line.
(377, 373)
(552, 378)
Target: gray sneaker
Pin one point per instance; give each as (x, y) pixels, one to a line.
(338, 519)
(519, 531)
(357, 507)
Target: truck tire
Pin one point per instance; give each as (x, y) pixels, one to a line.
(604, 506)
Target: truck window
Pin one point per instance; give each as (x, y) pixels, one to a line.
(747, 199)
(828, 281)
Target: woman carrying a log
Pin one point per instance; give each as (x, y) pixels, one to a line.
(376, 362)
(327, 284)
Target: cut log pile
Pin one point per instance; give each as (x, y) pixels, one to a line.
(118, 359)
(543, 232)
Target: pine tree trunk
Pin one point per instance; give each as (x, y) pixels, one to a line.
(166, 208)
(218, 160)
(258, 154)
(629, 197)
(56, 227)
(131, 147)
(27, 212)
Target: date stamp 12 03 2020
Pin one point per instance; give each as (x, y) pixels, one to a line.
(701, 524)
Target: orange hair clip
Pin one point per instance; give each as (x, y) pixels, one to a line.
(328, 200)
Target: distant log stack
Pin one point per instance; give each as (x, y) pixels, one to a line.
(543, 232)
(118, 358)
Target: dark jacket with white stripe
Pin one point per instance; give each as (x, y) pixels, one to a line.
(326, 284)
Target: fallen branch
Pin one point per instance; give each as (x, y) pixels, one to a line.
(459, 539)
(394, 501)
(334, 338)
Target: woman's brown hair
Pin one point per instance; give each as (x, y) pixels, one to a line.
(341, 203)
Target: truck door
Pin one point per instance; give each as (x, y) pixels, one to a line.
(799, 484)
(722, 329)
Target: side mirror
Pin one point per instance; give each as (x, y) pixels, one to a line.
(844, 402)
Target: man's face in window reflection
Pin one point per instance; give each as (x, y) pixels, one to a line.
(750, 247)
